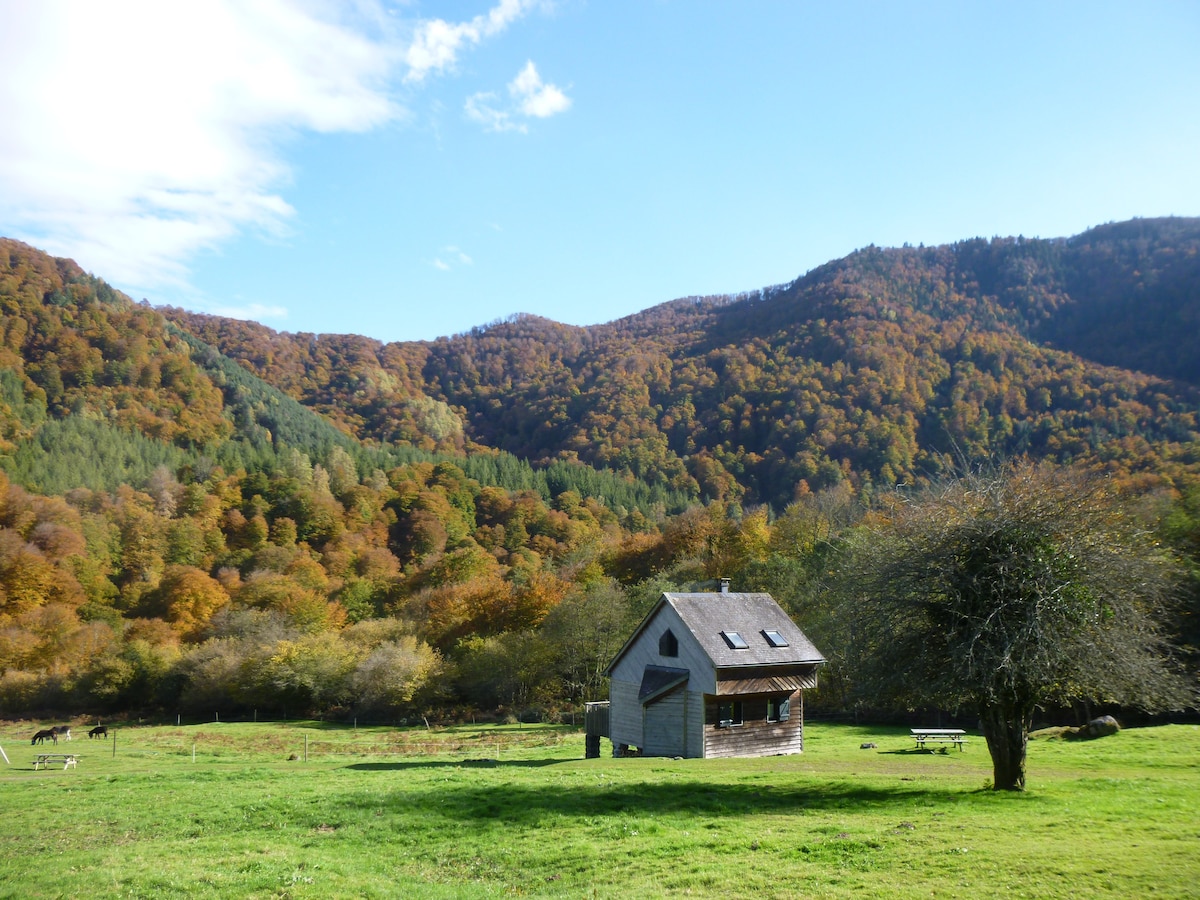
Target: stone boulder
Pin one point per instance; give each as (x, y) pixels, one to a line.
(1100, 727)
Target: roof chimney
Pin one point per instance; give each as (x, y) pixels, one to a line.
(724, 585)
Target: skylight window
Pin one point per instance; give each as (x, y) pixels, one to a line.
(735, 640)
(775, 639)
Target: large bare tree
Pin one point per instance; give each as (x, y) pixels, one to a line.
(1007, 590)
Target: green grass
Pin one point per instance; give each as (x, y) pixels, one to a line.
(515, 811)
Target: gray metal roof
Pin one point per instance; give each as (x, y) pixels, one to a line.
(707, 615)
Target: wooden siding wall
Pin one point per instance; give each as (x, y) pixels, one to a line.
(595, 718)
(756, 736)
(695, 725)
(643, 727)
(664, 725)
(625, 712)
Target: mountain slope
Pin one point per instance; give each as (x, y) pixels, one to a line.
(882, 367)
(73, 344)
(98, 392)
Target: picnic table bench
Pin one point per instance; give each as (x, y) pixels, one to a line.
(925, 736)
(45, 760)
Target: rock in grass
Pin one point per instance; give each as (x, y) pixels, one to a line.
(1101, 727)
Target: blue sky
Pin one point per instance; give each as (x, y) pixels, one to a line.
(412, 170)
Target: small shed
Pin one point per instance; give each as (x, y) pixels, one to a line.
(712, 675)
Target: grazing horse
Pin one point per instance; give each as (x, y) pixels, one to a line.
(100, 731)
(45, 733)
(62, 731)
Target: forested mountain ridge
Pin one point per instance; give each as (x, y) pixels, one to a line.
(885, 366)
(175, 532)
(97, 391)
(199, 513)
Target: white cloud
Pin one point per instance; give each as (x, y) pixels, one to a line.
(135, 135)
(529, 97)
(138, 133)
(535, 98)
(437, 43)
(451, 258)
(484, 109)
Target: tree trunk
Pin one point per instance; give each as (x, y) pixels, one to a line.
(1006, 729)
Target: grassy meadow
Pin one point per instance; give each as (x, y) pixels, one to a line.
(306, 810)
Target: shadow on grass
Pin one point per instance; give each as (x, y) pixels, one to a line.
(456, 764)
(912, 751)
(532, 804)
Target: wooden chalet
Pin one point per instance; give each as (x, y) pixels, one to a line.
(711, 675)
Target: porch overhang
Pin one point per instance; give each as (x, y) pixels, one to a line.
(764, 681)
(657, 681)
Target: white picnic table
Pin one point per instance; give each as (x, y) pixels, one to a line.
(45, 760)
(923, 736)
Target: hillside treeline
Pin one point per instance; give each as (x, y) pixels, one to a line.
(415, 591)
(311, 589)
(886, 367)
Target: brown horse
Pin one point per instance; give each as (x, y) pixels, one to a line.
(100, 731)
(45, 733)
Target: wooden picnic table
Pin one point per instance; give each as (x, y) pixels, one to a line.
(45, 760)
(923, 736)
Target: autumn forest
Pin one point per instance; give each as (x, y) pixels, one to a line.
(201, 514)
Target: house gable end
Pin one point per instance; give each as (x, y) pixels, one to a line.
(645, 649)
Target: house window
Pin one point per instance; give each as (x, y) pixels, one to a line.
(775, 639)
(735, 640)
(779, 709)
(668, 644)
(729, 714)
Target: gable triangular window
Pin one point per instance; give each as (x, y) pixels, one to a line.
(668, 644)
